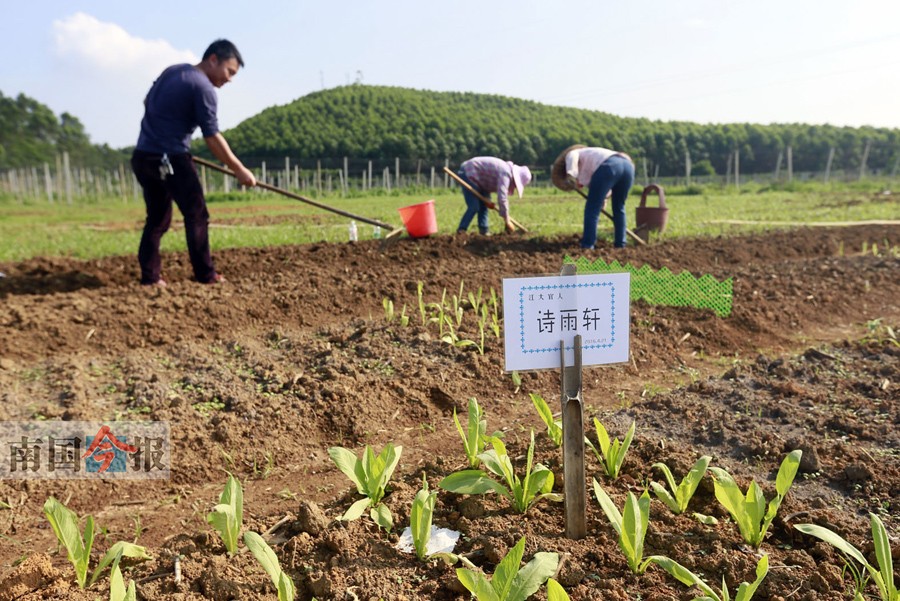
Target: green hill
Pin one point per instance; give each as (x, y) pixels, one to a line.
(383, 123)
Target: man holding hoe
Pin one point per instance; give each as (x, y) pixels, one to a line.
(181, 99)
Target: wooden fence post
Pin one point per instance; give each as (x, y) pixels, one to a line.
(828, 163)
(790, 163)
(687, 166)
(48, 183)
(865, 157)
(68, 175)
(346, 175)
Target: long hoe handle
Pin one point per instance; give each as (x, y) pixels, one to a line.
(633, 236)
(308, 201)
(481, 197)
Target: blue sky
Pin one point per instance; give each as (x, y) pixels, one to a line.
(715, 61)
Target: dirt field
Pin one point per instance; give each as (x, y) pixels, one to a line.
(293, 355)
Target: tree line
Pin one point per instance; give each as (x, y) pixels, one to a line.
(382, 123)
(31, 134)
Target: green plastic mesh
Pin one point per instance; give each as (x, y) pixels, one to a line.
(663, 287)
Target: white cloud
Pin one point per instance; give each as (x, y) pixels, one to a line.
(107, 47)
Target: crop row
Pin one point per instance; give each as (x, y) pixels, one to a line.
(491, 470)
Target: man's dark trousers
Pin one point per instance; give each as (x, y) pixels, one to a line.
(182, 186)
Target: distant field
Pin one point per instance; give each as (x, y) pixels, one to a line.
(113, 226)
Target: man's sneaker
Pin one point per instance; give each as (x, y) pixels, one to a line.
(161, 283)
(217, 279)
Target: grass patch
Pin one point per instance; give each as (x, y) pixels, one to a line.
(93, 228)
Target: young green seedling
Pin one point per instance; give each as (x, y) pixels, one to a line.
(749, 511)
(64, 523)
(388, 305)
(523, 494)
(475, 437)
(475, 300)
(269, 561)
(631, 528)
(228, 516)
(555, 591)
(509, 582)
(612, 453)
(420, 518)
(115, 554)
(421, 300)
(370, 474)
(681, 493)
(117, 590)
(883, 576)
(554, 426)
(682, 574)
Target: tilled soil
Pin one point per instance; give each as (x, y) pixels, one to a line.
(259, 376)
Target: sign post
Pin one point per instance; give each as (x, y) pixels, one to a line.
(567, 322)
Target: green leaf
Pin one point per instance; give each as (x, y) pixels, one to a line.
(554, 430)
(620, 453)
(507, 569)
(691, 481)
(478, 584)
(264, 555)
(420, 518)
(663, 495)
(471, 482)
(535, 573)
(834, 540)
(347, 462)
(356, 510)
(116, 586)
(667, 474)
(64, 523)
(116, 553)
(609, 508)
(555, 591)
(705, 519)
(745, 591)
(269, 561)
(685, 576)
(882, 546)
(222, 519)
(787, 472)
(286, 590)
(381, 515)
(602, 437)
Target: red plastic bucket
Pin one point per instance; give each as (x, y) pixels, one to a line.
(419, 219)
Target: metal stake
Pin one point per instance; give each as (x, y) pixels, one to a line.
(573, 437)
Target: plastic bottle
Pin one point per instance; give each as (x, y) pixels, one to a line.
(376, 232)
(354, 233)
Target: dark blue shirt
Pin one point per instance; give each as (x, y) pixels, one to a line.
(180, 100)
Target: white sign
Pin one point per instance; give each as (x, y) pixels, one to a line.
(540, 312)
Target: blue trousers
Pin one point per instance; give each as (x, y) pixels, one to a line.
(617, 174)
(473, 207)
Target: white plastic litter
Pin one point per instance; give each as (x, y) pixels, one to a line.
(442, 540)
